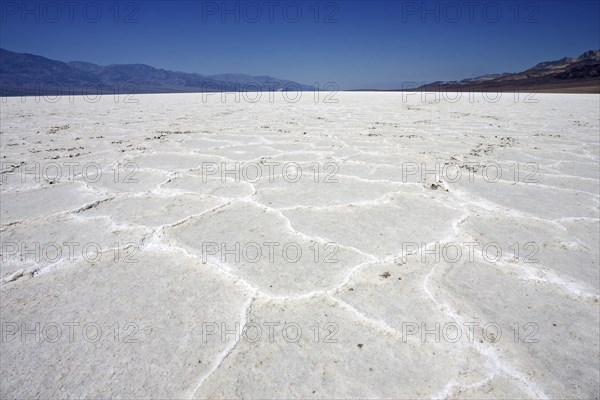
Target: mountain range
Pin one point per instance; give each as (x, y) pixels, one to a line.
(28, 74)
(577, 75)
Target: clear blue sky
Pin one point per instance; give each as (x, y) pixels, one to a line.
(356, 44)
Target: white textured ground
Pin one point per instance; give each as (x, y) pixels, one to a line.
(112, 328)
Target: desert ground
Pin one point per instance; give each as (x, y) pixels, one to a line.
(354, 245)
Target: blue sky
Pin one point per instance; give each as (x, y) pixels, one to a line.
(353, 43)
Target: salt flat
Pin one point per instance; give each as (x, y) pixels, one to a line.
(381, 246)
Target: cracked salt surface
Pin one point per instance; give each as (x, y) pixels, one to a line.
(171, 320)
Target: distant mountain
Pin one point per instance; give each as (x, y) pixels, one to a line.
(28, 74)
(580, 74)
